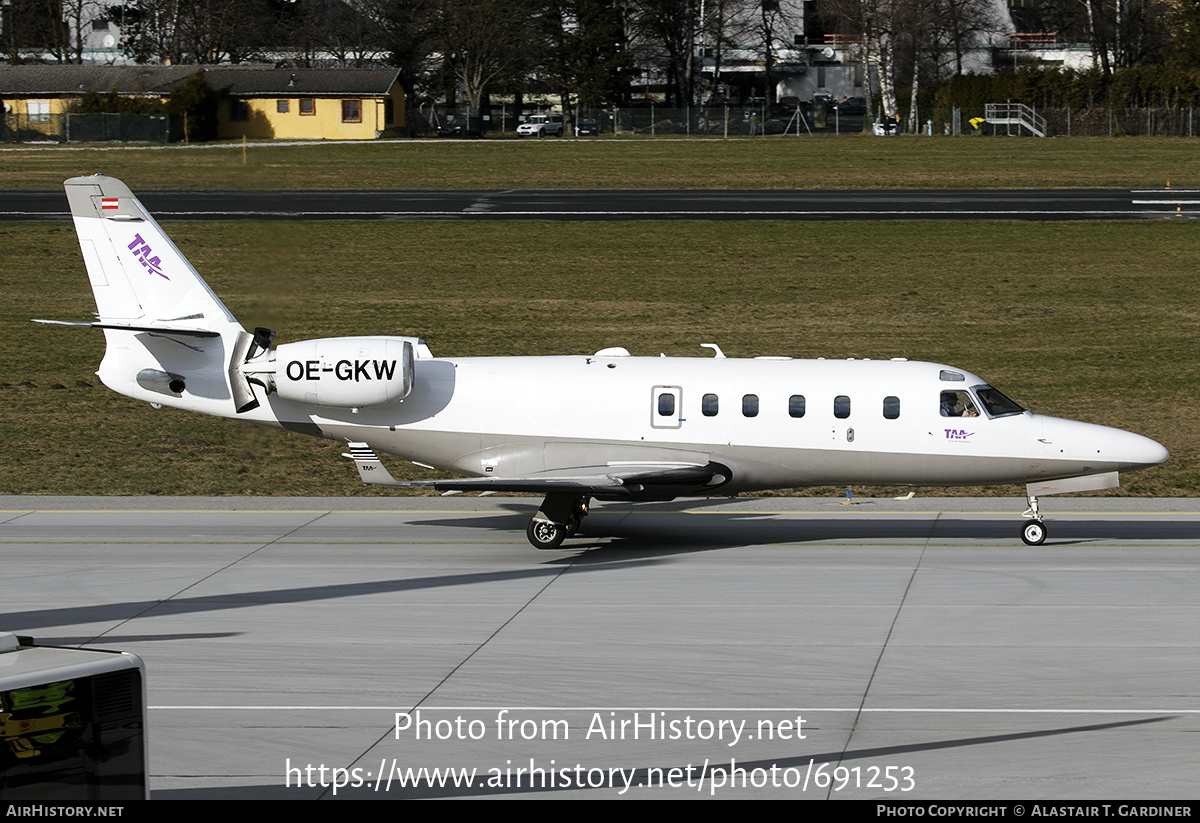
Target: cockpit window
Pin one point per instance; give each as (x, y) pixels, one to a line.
(957, 404)
(995, 403)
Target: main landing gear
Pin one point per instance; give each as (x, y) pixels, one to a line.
(1033, 532)
(558, 518)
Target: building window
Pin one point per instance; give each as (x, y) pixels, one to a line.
(308, 105)
(709, 405)
(281, 106)
(351, 111)
(841, 407)
(239, 111)
(389, 111)
(38, 111)
(750, 405)
(796, 405)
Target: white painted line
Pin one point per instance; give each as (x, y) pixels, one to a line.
(697, 709)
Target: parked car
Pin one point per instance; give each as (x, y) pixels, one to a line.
(853, 105)
(887, 127)
(541, 125)
(457, 125)
(587, 127)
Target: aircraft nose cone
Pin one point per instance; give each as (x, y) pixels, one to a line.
(1137, 452)
(1115, 448)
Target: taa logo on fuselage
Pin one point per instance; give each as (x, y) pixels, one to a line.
(958, 434)
(356, 371)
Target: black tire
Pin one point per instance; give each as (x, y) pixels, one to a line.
(544, 535)
(1034, 533)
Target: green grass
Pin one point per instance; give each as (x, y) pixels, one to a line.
(777, 162)
(1090, 321)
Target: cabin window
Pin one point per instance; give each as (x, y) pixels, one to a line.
(891, 407)
(351, 111)
(708, 405)
(750, 405)
(666, 404)
(947, 376)
(796, 405)
(281, 106)
(841, 407)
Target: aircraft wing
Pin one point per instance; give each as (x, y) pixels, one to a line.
(621, 480)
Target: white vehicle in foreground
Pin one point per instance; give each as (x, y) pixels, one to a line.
(541, 125)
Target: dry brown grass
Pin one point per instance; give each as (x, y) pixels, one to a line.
(847, 162)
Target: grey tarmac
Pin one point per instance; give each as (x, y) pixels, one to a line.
(690, 204)
(885, 650)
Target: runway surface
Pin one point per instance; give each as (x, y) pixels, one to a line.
(918, 645)
(1025, 204)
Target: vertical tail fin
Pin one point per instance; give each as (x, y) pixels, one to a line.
(137, 274)
(170, 340)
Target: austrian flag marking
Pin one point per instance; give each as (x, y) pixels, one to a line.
(107, 203)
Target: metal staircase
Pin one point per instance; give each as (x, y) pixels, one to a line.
(1015, 114)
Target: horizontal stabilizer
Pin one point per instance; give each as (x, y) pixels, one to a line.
(166, 331)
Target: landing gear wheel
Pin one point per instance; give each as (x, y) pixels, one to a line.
(1034, 533)
(545, 535)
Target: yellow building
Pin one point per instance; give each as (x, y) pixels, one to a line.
(256, 101)
(310, 104)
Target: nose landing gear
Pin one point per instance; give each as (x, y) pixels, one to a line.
(1034, 532)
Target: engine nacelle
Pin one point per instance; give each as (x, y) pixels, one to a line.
(347, 372)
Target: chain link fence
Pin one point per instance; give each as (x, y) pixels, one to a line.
(1097, 121)
(752, 120)
(91, 128)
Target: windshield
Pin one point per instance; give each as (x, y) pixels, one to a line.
(995, 403)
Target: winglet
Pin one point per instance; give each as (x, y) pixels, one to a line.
(372, 472)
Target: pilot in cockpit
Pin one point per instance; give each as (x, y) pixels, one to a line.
(957, 404)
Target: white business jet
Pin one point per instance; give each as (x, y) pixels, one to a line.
(607, 426)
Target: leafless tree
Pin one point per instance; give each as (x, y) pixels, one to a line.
(723, 23)
(484, 42)
(195, 31)
(667, 29)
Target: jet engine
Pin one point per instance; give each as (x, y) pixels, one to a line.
(347, 372)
